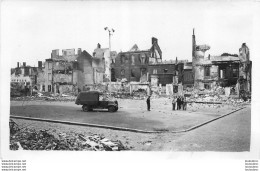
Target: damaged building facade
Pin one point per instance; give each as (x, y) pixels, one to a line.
(138, 65)
(26, 75)
(71, 71)
(146, 67)
(133, 65)
(226, 70)
(24, 79)
(103, 54)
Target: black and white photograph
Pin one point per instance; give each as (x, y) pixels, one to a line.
(129, 80)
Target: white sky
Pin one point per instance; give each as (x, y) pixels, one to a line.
(30, 30)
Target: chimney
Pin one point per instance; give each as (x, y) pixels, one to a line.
(40, 64)
(24, 64)
(98, 46)
(18, 64)
(154, 40)
(55, 53)
(79, 51)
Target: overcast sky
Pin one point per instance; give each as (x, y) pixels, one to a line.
(30, 30)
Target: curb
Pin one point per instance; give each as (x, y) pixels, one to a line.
(121, 128)
(84, 124)
(204, 123)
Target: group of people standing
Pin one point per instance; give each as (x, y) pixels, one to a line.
(179, 102)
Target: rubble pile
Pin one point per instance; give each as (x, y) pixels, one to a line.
(217, 99)
(214, 96)
(30, 139)
(139, 94)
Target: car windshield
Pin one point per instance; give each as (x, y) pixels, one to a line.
(106, 97)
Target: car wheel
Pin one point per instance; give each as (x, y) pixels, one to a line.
(85, 108)
(111, 109)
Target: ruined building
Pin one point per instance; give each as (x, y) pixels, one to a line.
(24, 79)
(225, 70)
(245, 69)
(103, 54)
(186, 75)
(133, 64)
(70, 72)
(24, 74)
(138, 65)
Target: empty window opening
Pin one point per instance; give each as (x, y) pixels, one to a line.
(207, 71)
(206, 86)
(235, 72)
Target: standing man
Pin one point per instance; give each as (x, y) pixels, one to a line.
(173, 102)
(184, 103)
(178, 102)
(148, 103)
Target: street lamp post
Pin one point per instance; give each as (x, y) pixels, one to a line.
(110, 33)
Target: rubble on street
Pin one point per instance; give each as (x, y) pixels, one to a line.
(213, 96)
(30, 139)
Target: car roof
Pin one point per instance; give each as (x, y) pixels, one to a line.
(90, 92)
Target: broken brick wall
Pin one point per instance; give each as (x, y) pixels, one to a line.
(40, 80)
(188, 79)
(85, 73)
(98, 76)
(131, 65)
(69, 55)
(98, 65)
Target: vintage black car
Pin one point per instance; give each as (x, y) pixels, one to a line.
(91, 100)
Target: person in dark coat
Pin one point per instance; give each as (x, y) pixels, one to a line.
(184, 103)
(178, 103)
(173, 103)
(148, 103)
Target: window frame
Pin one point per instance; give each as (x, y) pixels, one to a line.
(122, 57)
(236, 73)
(207, 71)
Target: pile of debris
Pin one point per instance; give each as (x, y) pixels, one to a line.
(30, 139)
(214, 96)
(217, 99)
(46, 96)
(139, 94)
